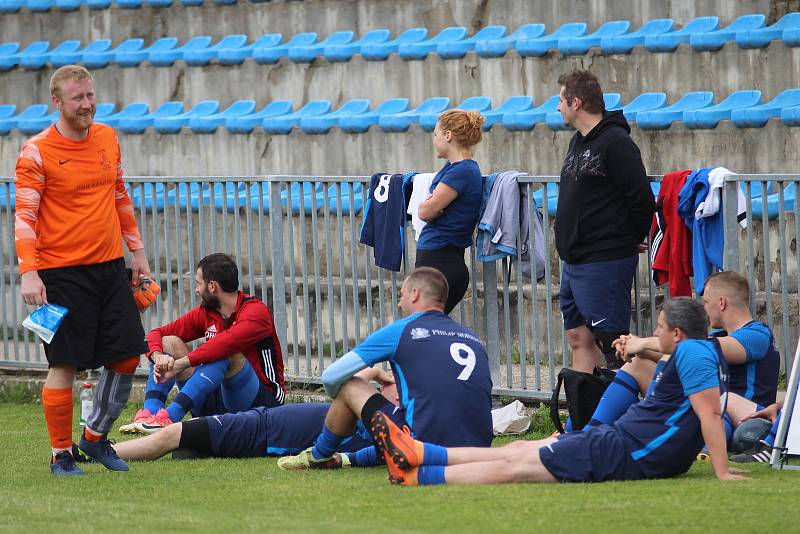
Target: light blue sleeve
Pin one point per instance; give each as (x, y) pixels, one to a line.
(380, 346)
(755, 340)
(696, 363)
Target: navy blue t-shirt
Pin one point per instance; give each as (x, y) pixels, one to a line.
(662, 433)
(757, 378)
(385, 220)
(455, 226)
(442, 375)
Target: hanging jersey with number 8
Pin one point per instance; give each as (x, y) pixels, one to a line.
(385, 219)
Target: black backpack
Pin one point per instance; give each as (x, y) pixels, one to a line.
(583, 392)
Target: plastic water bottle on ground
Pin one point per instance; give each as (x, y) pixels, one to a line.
(87, 403)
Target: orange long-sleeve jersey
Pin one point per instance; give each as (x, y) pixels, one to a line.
(72, 206)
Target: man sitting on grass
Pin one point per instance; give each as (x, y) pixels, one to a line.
(656, 438)
(442, 373)
(258, 432)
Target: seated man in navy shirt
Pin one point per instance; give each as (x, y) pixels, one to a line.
(656, 438)
(442, 375)
(747, 345)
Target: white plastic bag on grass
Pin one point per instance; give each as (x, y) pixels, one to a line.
(510, 419)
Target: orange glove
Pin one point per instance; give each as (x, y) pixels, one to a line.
(145, 293)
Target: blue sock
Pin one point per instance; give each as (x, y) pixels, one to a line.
(240, 390)
(568, 425)
(326, 444)
(366, 457)
(434, 454)
(618, 397)
(430, 474)
(773, 432)
(206, 378)
(155, 395)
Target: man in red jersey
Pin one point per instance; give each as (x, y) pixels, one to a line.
(71, 211)
(240, 365)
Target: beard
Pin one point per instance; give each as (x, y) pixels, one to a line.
(209, 302)
(79, 121)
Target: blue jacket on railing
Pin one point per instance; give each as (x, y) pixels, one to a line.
(708, 235)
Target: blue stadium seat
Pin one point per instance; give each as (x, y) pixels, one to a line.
(131, 110)
(459, 49)
(7, 196)
(35, 125)
(99, 60)
(581, 45)
(236, 56)
(104, 110)
(789, 198)
(401, 122)
(247, 123)
(167, 58)
(307, 54)
(7, 111)
(360, 123)
(133, 56)
(158, 3)
(59, 59)
(709, 117)
(539, 46)
(427, 121)
(669, 42)
(267, 55)
(98, 4)
(32, 52)
(39, 61)
(551, 190)
(129, 4)
(351, 195)
(311, 201)
(174, 123)
(499, 47)
(38, 6)
(515, 104)
(11, 6)
(147, 196)
(791, 116)
(420, 49)
(192, 3)
(210, 123)
(623, 44)
(791, 37)
(711, 41)
(204, 56)
(662, 118)
(225, 2)
(527, 120)
(381, 51)
(9, 56)
(555, 121)
(758, 116)
(228, 196)
(322, 124)
(283, 124)
(31, 112)
(345, 52)
(761, 37)
(68, 5)
(187, 196)
(137, 125)
(643, 102)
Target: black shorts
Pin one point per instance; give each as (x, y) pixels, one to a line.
(103, 324)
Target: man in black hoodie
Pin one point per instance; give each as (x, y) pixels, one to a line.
(605, 206)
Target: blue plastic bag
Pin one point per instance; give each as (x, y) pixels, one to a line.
(45, 320)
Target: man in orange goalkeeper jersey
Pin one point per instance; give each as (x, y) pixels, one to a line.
(72, 209)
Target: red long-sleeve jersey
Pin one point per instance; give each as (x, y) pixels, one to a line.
(250, 331)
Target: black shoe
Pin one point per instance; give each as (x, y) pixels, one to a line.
(761, 455)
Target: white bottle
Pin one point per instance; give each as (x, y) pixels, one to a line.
(87, 403)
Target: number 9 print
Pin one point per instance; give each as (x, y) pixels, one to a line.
(467, 360)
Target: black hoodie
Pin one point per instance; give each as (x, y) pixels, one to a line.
(605, 203)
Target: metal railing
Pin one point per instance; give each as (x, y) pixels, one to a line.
(295, 239)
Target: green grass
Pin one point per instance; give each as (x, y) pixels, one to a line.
(253, 495)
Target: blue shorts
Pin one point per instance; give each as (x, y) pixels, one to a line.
(278, 431)
(596, 455)
(598, 294)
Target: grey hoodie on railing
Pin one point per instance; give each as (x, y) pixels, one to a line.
(505, 222)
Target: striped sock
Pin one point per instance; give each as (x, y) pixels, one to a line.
(618, 397)
(205, 379)
(155, 395)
